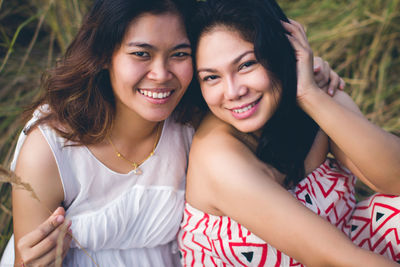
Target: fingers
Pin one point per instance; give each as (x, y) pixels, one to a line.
(67, 243)
(334, 83)
(299, 26)
(37, 248)
(321, 72)
(43, 230)
(304, 57)
(298, 32)
(322, 76)
(298, 46)
(59, 211)
(299, 42)
(53, 247)
(52, 240)
(326, 79)
(58, 248)
(342, 84)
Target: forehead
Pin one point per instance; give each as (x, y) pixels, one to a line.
(221, 45)
(155, 28)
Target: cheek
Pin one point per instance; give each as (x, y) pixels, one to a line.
(127, 73)
(273, 100)
(210, 95)
(184, 72)
(261, 81)
(277, 93)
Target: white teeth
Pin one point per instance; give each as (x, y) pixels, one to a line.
(155, 95)
(240, 110)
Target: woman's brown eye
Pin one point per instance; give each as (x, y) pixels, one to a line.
(210, 77)
(141, 54)
(247, 64)
(181, 54)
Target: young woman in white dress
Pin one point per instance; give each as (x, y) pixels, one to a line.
(105, 137)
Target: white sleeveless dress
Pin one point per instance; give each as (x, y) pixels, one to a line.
(122, 219)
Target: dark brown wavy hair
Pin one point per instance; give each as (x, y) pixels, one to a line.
(78, 90)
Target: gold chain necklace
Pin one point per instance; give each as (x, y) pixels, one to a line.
(136, 165)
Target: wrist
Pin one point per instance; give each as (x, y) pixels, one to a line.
(309, 97)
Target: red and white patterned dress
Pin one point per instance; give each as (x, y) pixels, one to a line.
(374, 224)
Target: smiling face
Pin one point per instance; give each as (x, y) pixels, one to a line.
(152, 68)
(236, 87)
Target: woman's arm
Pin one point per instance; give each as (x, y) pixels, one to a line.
(37, 167)
(372, 154)
(225, 178)
(369, 152)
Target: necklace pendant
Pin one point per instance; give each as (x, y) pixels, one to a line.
(137, 171)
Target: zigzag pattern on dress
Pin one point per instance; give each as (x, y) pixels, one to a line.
(208, 240)
(375, 225)
(329, 192)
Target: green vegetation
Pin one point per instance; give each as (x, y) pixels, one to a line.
(360, 39)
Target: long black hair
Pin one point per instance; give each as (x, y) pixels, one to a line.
(287, 137)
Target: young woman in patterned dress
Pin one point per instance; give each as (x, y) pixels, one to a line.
(248, 203)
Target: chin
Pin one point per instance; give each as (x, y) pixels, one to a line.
(156, 115)
(247, 127)
(253, 125)
(158, 118)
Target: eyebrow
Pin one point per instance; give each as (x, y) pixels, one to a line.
(149, 46)
(234, 61)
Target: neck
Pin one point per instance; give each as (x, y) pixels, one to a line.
(131, 129)
(249, 139)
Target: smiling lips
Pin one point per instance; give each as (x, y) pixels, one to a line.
(155, 95)
(246, 108)
(246, 111)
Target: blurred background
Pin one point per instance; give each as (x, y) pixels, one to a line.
(359, 38)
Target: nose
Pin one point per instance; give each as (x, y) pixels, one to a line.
(159, 71)
(235, 89)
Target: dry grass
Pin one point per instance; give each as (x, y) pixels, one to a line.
(32, 32)
(360, 39)
(7, 176)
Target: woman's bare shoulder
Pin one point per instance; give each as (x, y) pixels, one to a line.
(213, 132)
(37, 166)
